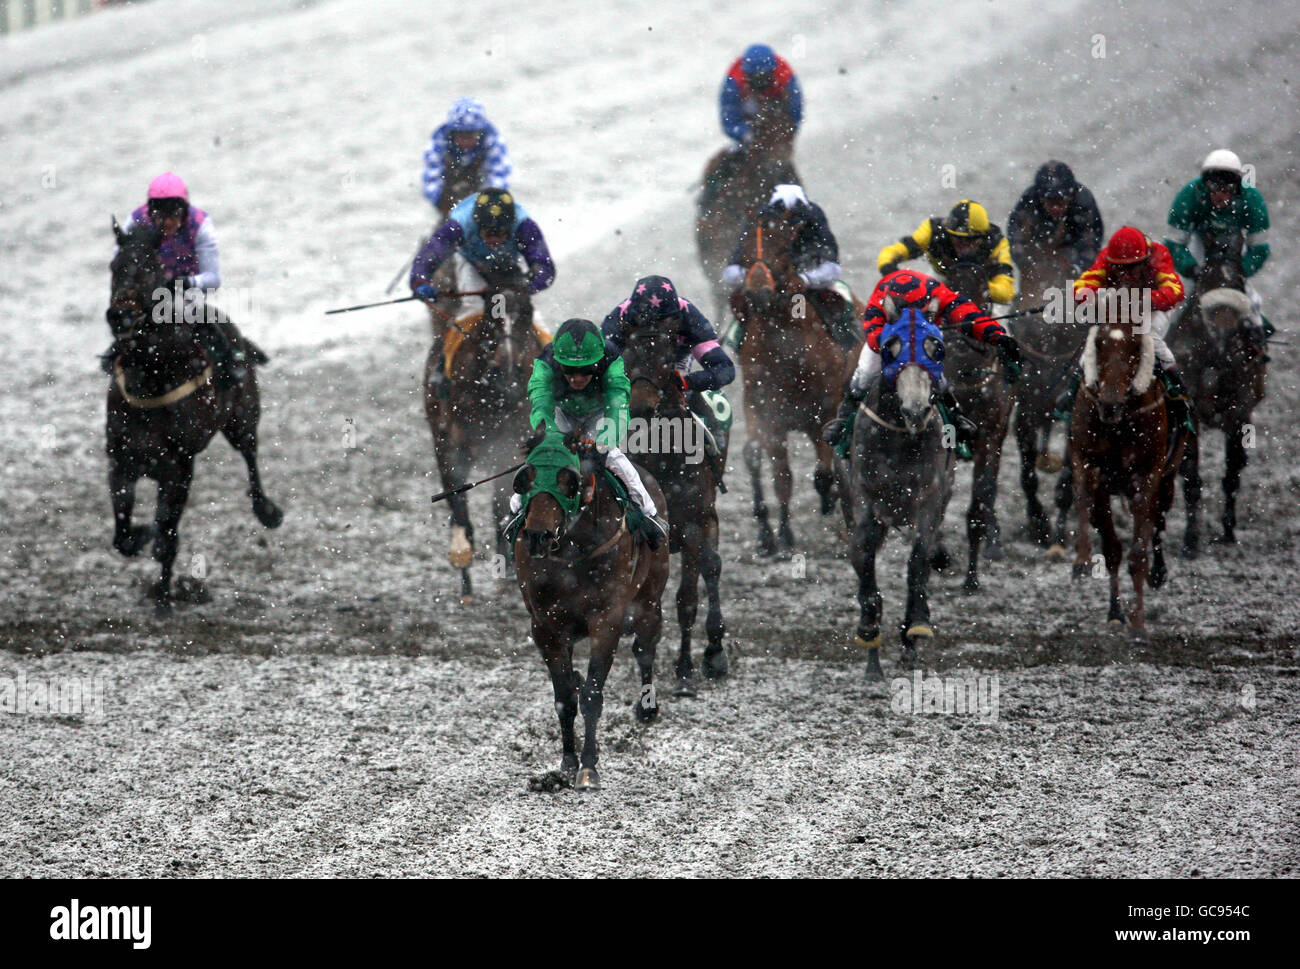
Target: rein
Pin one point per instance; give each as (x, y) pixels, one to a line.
(895, 427)
(171, 397)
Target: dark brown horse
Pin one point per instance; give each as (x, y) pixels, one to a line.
(1050, 342)
(980, 384)
(675, 456)
(583, 574)
(481, 418)
(164, 406)
(1122, 445)
(793, 373)
(745, 177)
(1225, 365)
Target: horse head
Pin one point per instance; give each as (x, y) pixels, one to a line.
(549, 484)
(137, 278)
(911, 353)
(1119, 354)
(773, 130)
(650, 357)
(501, 335)
(767, 251)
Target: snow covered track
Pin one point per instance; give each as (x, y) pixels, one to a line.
(335, 711)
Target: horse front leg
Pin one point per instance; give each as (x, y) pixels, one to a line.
(715, 664)
(604, 632)
(1139, 556)
(557, 654)
(647, 625)
(754, 464)
(127, 538)
(783, 486)
(979, 516)
(241, 432)
(453, 465)
(868, 533)
(1112, 550)
(1040, 529)
(824, 475)
(173, 493)
(1064, 501)
(1085, 494)
(1235, 460)
(688, 601)
(1189, 469)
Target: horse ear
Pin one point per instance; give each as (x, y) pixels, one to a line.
(118, 234)
(891, 310)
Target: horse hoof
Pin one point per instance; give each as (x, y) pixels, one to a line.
(462, 552)
(269, 514)
(1115, 623)
(646, 706)
(1158, 577)
(715, 664)
(1229, 538)
(1140, 637)
(192, 590)
(1056, 553)
(940, 560)
(588, 780)
(1080, 570)
(1191, 550)
(874, 673)
(915, 635)
(971, 585)
(1040, 532)
(162, 608)
(907, 659)
(685, 686)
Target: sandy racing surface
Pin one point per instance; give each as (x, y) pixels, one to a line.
(336, 710)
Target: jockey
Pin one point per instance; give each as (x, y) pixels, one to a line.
(579, 384)
(907, 289)
(654, 303)
(188, 254)
(1131, 261)
(488, 233)
(1221, 214)
(464, 141)
(965, 236)
(758, 75)
(1057, 211)
(815, 256)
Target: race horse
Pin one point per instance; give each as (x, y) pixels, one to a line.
(793, 373)
(1122, 445)
(460, 181)
(983, 390)
(164, 406)
(488, 357)
(738, 181)
(1225, 364)
(674, 455)
(1050, 342)
(900, 476)
(582, 573)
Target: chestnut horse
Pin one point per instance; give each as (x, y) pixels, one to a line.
(1225, 366)
(793, 373)
(983, 390)
(658, 402)
(484, 413)
(164, 407)
(748, 176)
(1050, 342)
(583, 574)
(1122, 445)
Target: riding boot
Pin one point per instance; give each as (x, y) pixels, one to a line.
(715, 441)
(438, 379)
(839, 432)
(227, 360)
(950, 410)
(653, 529)
(1176, 398)
(1063, 409)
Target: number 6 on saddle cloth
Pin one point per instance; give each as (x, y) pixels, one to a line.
(911, 339)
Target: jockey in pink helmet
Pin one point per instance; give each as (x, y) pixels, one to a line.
(188, 253)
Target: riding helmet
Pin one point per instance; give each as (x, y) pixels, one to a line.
(578, 343)
(653, 299)
(494, 212)
(967, 218)
(1127, 246)
(1055, 180)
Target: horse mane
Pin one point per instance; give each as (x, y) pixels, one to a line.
(1226, 297)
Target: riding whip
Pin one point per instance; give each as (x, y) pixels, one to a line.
(465, 487)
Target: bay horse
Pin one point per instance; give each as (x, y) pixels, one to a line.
(582, 573)
(675, 458)
(1122, 445)
(164, 407)
(1050, 342)
(792, 369)
(901, 473)
(481, 419)
(1225, 366)
(459, 182)
(983, 391)
(749, 174)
